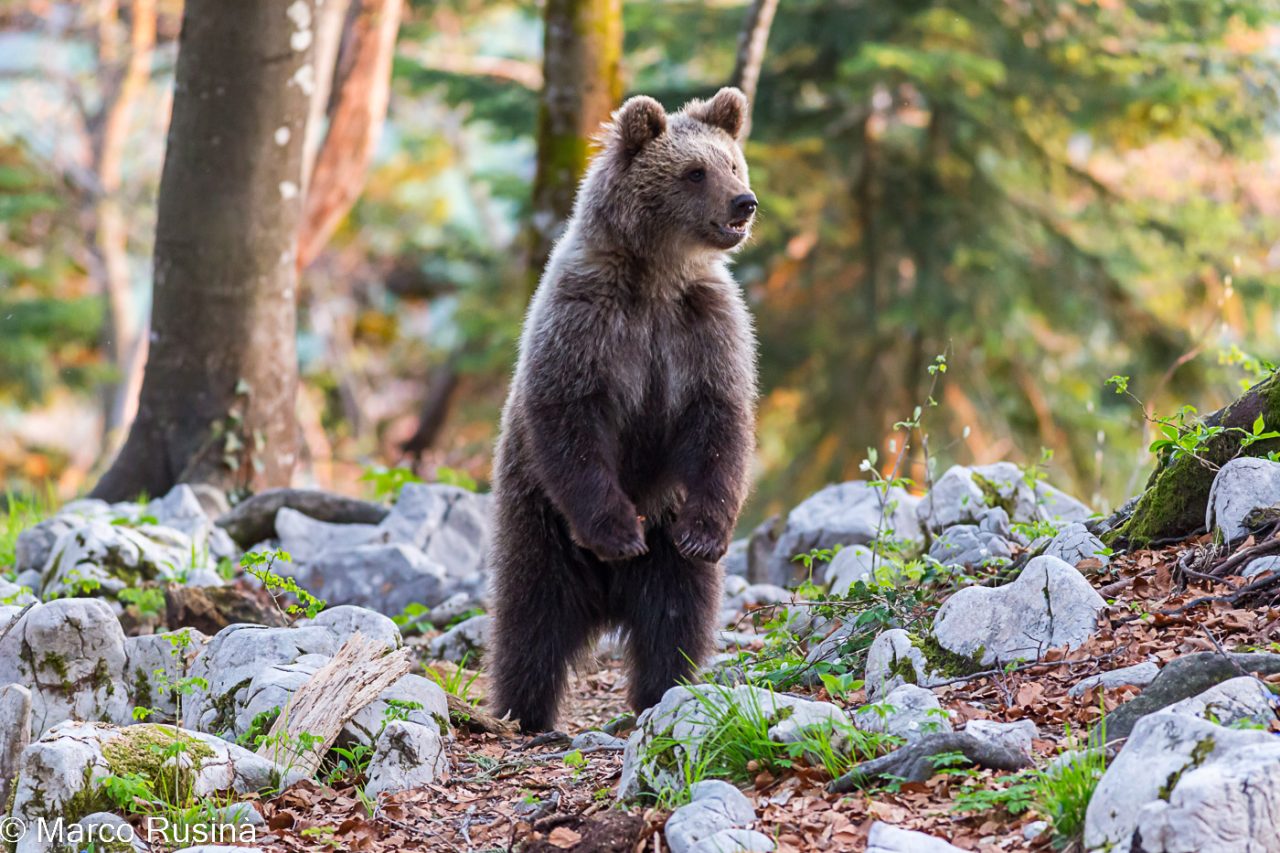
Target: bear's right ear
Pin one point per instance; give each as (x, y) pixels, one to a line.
(640, 121)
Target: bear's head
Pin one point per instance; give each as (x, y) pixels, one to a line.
(674, 181)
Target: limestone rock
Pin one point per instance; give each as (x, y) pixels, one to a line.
(962, 495)
(306, 538)
(1050, 605)
(884, 838)
(715, 807)
(894, 659)
(1140, 675)
(1237, 700)
(1163, 749)
(1227, 805)
(385, 578)
(968, 546)
(1016, 736)
(71, 653)
(907, 712)
(1074, 544)
(168, 652)
(464, 641)
(1240, 487)
(408, 755)
(851, 565)
(843, 514)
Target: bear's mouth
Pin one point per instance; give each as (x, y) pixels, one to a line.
(737, 227)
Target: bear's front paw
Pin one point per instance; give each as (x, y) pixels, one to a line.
(614, 539)
(701, 538)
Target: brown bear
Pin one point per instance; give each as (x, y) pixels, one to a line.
(629, 428)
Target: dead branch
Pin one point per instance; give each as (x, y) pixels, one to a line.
(316, 713)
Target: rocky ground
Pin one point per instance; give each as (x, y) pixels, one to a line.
(972, 669)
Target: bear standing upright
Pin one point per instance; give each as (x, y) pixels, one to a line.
(629, 428)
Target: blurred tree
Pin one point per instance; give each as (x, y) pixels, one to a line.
(358, 110)
(751, 47)
(582, 84)
(218, 393)
(125, 66)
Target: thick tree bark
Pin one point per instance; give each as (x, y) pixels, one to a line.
(355, 122)
(751, 44)
(217, 401)
(1177, 494)
(582, 85)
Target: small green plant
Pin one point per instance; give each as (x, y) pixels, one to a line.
(1062, 793)
(457, 682)
(1014, 793)
(261, 565)
(144, 604)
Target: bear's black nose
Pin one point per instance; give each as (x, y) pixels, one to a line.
(745, 205)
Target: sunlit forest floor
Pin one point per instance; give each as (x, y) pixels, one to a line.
(510, 790)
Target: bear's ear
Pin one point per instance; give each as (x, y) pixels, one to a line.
(639, 121)
(727, 110)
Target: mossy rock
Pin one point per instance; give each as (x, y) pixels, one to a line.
(1176, 497)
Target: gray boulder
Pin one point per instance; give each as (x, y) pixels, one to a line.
(714, 810)
(851, 513)
(1233, 702)
(1164, 749)
(1240, 487)
(464, 641)
(71, 653)
(306, 538)
(1261, 566)
(1050, 605)
(408, 755)
(385, 578)
(1138, 675)
(908, 712)
(963, 495)
(850, 565)
(968, 546)
(884, 838)
(1074, 544)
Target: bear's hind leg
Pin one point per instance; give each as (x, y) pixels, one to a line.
(547, 607)
(669, 604)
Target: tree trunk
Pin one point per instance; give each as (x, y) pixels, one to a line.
(751, 44)
(360, 108)
(217, 401)
(1174, 502)
(582, 85)
(122, 338)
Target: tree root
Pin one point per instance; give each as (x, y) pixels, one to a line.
(913, 762)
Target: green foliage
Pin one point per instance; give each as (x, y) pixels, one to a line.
(387, 482)
(261, 565)
(1062, 795)
(456, 682)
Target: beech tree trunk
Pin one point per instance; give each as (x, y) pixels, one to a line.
(750, 58)
(125, 79)
(359, 108)
(217, 400)
(582, 85)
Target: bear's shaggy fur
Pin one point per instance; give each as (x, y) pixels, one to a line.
(627, 435)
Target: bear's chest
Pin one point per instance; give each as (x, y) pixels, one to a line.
(660, 363)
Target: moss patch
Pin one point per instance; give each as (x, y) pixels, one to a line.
(1203, 749)
(991, 494)
(943, 661)
(144, 750)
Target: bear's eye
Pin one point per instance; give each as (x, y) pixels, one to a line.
(696, 175)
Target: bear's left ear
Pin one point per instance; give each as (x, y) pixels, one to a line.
(727, 110)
